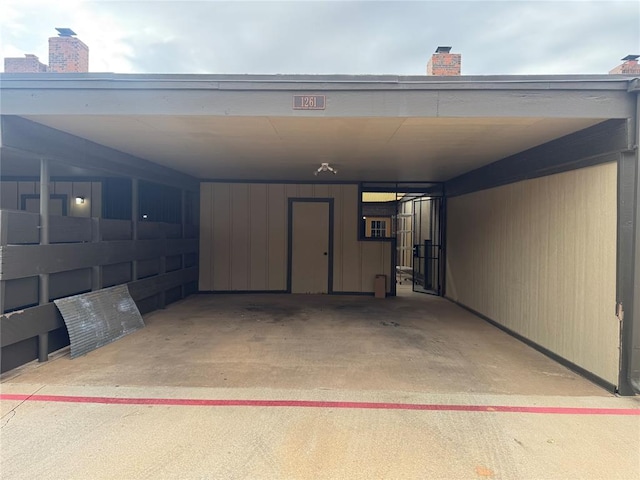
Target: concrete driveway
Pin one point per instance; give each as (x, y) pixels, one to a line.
(285, 386)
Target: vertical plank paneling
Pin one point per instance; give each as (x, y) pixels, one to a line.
(240, 248)
(96, 199)
(335, 192)
(351, 248)
(205, 282)
(371, 264)
(277, 261)
(9, 196)
(28, 188)
(387, 252)
(539, 257)
(258, 238)
(65, 188)
(221, 237)
(247, 246)
(291, 191)
(305, 190)
(320, 191)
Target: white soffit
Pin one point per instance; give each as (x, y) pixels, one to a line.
(290, 148)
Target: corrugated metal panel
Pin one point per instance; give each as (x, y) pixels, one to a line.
(97, 318)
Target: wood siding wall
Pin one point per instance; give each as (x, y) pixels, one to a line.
(539, 257)
(11, 195)
(244, 235)
(88, 254)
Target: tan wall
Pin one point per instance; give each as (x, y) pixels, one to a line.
(539, 257)
(244, 235)
(11, 194)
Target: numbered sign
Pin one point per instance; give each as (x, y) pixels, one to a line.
(308, 102)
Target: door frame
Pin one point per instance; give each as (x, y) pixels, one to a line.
(54, 196)
(292, 200)
(431, 252)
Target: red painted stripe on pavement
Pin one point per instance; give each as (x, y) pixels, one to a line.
(319, 404)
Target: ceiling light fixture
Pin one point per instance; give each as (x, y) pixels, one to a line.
(325, 167)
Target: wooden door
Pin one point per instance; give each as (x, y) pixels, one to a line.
(310, 247)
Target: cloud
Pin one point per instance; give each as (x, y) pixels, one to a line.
(494, 37)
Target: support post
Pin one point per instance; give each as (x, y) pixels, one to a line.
(43, 347)
(96, 270)
(2, 297)
(162, 267)
(183, 199)
(43, 338)
(634, 356)
(4, 228)
(4, 240)
(628, 294)
(135, 215)
(162, 294)
(44, 201)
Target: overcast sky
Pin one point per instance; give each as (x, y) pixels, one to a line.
(355, 37)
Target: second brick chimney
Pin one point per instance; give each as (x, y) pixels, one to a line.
(628, 67)
(443, 63)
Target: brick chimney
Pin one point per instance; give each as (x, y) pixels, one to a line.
(29, 64)
(629, 66)
(443, 63)
(67, 53)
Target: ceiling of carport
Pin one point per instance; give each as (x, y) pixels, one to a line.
(291, 148)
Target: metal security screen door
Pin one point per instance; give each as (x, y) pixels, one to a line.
(427, 245)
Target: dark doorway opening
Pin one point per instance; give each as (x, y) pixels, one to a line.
(411, 215)
(427, 245)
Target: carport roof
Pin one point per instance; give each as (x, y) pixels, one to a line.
(244, 127)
